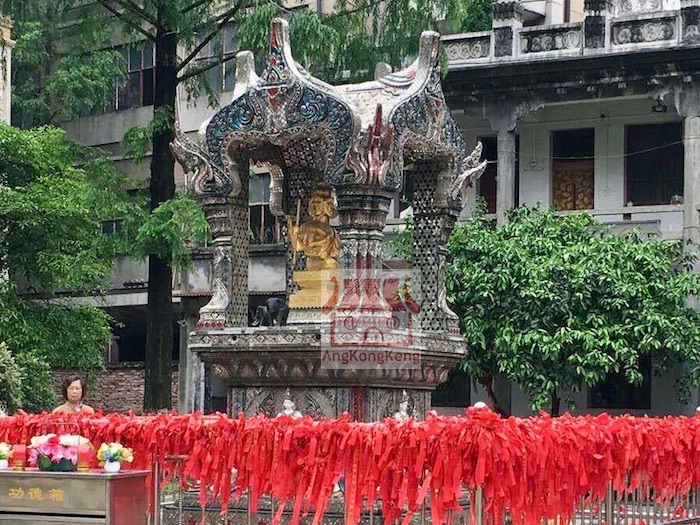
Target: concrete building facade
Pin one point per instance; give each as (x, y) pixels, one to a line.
(597, 114)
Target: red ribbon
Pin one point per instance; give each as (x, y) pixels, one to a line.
(535, 468)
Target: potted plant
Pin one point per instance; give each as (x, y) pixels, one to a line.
(111, 455)
(56, 453)
(5, 451)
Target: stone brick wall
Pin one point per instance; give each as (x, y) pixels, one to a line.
(117, 388)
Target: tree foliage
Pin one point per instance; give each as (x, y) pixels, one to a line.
(61, 67)
(50, 241)
(11, 381)
(347, 44)
(558, 302)
(389, 31)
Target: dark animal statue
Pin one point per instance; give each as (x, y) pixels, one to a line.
(273, 313)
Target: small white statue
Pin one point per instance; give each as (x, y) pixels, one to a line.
(402, 414)
(480, 404)
(289, 407)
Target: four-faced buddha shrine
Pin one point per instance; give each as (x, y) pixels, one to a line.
(337, 156)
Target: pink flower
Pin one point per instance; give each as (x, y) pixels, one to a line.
(51, 449)
(33, 457)
(71, 453)
(57, 454)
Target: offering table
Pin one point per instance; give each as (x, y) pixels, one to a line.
(33, 497)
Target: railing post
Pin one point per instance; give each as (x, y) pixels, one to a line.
(609, 505)
(479, 506)
(156, 492)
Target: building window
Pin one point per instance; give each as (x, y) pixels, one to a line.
(573, 158)
(138, 89)
(112, 226)
(486, 185)
(263, 227)
(221, 49)
(616, 392)
(399, 204)
(455, 392)
(654, 164)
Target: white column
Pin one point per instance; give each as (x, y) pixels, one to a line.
(505, 176)
(6, 56)
(691, 180)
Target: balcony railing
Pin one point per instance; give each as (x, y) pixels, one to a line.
(543, 39)
(609, 27)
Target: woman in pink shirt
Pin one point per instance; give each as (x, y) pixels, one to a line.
(74, 391)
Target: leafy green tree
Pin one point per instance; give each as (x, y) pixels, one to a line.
(49, 241)
(60, 67)
(389, 30)
(11, 381)
(558, 302)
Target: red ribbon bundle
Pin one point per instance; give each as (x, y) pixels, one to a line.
(536, 468)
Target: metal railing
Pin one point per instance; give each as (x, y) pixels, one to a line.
(177, 503)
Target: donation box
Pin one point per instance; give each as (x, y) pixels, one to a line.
(34, 497)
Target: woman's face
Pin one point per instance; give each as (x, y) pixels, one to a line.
(75, 392)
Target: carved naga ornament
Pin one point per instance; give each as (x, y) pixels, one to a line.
(203, 176)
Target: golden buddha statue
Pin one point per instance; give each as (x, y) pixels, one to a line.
(316, 238)
(321, 245)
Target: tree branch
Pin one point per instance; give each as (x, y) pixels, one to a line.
(223, 20)
(355, 9)
(206, 67)
(193, 6)
(137, 11)
(121, 16)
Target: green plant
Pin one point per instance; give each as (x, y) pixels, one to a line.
(37, 390)
(50, 242)
(555, 303)
(10, 381)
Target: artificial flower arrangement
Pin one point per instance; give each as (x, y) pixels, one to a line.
(5, 451)
(56, 453)
(111, 455)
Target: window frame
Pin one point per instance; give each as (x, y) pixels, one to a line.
(659, 180)
(143, 98)
(629, 391)
(223, 47)
(260, 215)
